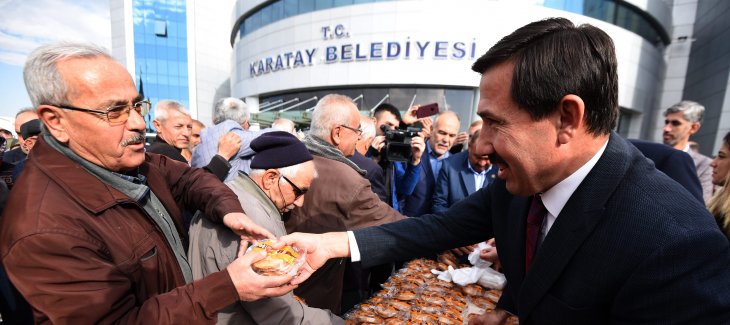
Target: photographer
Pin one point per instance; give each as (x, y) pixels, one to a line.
(401, 177)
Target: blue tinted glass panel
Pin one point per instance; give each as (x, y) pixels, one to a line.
(306, 6)
(615, 12)
(266, 15)
(277, 11)
(291, 8)
(323, 4)
(282, 9)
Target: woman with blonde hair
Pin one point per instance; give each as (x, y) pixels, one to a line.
(719, 206)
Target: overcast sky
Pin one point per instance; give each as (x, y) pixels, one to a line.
(27, 24)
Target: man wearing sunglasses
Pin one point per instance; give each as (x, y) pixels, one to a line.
(341, 197)
(93, 233)
(281, 173)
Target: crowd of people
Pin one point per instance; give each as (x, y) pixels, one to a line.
(99, 226)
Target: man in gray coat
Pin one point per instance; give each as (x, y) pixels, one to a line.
(681, 121)
(281, 173)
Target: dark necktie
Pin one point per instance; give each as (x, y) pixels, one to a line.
(535, 217)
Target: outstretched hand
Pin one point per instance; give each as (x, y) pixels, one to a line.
(318, 247)
(242, 225)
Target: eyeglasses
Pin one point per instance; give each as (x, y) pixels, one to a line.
(358, 130)
(297, 191)
(115, 114)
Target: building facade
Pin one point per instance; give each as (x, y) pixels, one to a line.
(698, 69)
(408, 52)
(175, 49)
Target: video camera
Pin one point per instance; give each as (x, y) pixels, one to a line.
(398, 143)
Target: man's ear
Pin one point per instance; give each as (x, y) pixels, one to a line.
(694, 127)
(270, 179)
(158, 125)
(571, 110)
(335, 135)
(55, 121)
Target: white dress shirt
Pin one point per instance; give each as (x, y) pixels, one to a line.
(557, 196)
(554, 200)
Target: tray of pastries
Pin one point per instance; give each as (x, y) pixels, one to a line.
(415, 296)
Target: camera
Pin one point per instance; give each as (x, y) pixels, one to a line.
(398, 143)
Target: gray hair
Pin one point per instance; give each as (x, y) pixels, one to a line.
(691, 111)
(436, 120)
(284, 124)
(230, 108)
(330, 112)
(44, 83)
(368, 128)
(25, 110)
(163, 107)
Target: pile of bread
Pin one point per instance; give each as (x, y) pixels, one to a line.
(415, 296)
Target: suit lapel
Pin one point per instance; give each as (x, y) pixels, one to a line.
(467, 177)
(583, 211)
(491, 175)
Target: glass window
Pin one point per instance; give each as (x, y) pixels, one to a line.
(340, 3)
(255, 21)
(171, 53)
(306, 6)
(266, 16)
(172, 68)
(161, 28)
(161, 66)
(290, 8)
(277, 11)
(323, 4)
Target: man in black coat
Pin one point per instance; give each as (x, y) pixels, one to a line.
(589, 232)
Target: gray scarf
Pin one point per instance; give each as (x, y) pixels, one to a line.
(140, 193)
(324, 149)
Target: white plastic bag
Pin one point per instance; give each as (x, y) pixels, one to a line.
(480, 273)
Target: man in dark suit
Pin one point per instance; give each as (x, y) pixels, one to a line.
(443, 135)
(589, 232)
(677, 164)
(461, 175)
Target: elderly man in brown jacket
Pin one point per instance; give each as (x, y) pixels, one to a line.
(93, 233)
(340, 198)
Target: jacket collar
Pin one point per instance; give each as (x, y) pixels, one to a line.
(81, 186)
(579, 217)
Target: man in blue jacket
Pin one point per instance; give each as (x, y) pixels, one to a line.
(461, 175)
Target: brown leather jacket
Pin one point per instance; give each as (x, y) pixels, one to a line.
(82, 252)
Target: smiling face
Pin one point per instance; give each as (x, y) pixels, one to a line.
(478, 160)
(97, 83)
(721, 165)
(524, 150)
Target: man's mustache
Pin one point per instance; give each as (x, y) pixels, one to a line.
(133, 140)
